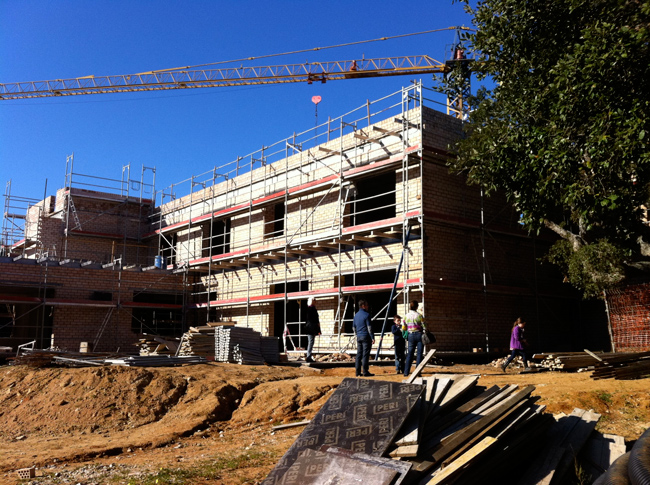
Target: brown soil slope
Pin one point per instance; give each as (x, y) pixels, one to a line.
(133, 422)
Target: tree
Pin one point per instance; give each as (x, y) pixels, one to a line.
(564, 133)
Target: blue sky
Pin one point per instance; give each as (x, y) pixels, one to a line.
(186, 132)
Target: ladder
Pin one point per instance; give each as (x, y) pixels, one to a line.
(74, 212)
(102, 327)
(340, 209)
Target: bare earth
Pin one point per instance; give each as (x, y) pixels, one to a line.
(211, 423)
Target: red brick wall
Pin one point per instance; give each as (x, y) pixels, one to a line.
(74, 324)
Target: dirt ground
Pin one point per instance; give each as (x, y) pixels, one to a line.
(212, 423)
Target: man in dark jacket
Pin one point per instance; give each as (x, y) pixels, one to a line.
(362, 327)
(312, 327)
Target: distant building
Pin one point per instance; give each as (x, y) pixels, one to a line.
(325, 213)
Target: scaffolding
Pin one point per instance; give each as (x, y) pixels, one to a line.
(326, 213)
(117, 194)
(283, 189)
(21, 220)
(93, 223)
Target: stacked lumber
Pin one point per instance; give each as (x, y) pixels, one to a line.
(36, 358)
(634, 368)
(619, 365)
(154, 345)
(562, 444)
(452, 431)
(568, 361)
(240, 345)
(198, 341)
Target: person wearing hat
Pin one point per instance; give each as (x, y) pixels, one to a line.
(312, 327)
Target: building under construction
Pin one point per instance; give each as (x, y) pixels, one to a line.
(361, 206)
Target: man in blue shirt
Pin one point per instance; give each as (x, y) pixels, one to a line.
(362, 327)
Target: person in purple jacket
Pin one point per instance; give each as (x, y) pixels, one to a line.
(517, 344)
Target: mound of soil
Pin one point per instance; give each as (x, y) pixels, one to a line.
(212, 423)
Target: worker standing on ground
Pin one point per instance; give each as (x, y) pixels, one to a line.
(518, 344)
(362, 327)
(399, 343)
(312, 327)
(414, 322)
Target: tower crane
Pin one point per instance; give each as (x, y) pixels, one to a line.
(189, 77)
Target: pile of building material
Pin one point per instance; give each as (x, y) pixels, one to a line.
(337, 357)
(37, 358)
(517, 362)
(442, 429)
(242, 345)
(636, 366)
(198, 341)
(154, 345)
(155, 361)
(604, 364)
(569, 361)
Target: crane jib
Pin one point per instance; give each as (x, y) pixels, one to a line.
(206, 78)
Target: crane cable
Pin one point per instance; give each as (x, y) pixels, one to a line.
(308, 50)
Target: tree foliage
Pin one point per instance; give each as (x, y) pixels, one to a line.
(564, 133)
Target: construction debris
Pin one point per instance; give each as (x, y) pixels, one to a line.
(337, 357)
(618, 365)
(154, 345)
(156, 361)
(443, 429)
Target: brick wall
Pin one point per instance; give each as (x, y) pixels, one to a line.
(75, 313)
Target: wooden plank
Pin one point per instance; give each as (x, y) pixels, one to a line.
(446, 429)
(409, 433)
(515, 413)
(408, 451)
(440, 452)
(415, 422)
(556, 454)
(471, 455)
(290, 425)
(481, 410)
(442, 387)
(573, 445)
(433, 426)
(457, 390)
(420, 367)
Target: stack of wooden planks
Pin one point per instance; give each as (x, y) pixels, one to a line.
(154, 345)
(618, 365)
(198, 341)
(452, 432)
(633, 368)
